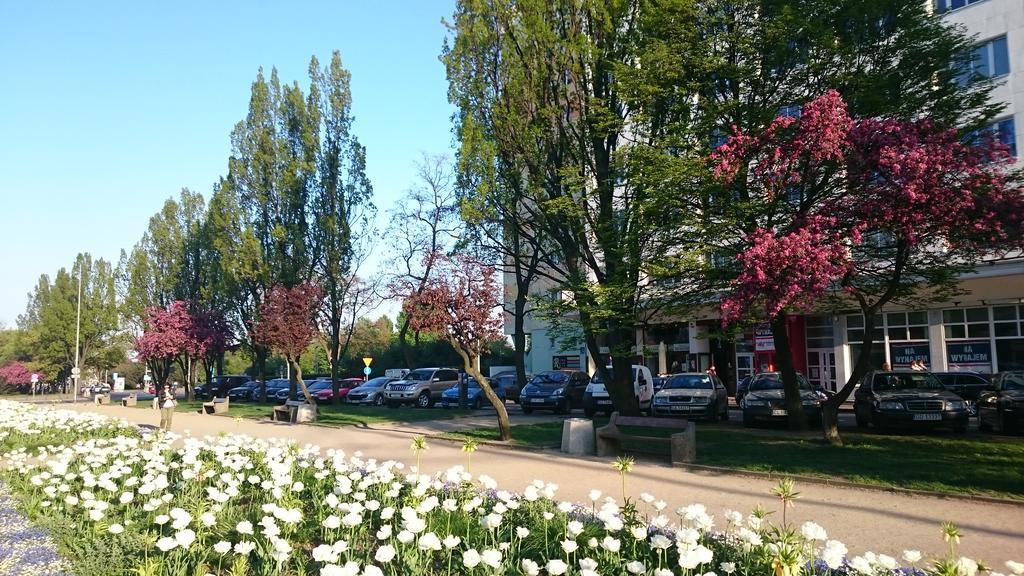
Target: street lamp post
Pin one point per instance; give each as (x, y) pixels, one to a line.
(76, 372)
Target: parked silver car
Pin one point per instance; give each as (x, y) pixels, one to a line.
(422, 387)
(693, 395)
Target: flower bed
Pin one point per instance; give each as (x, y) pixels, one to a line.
(238, 505)
(25, 549)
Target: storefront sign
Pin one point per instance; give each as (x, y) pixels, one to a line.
(969, 355)
(764, 340)
(565, 362)
(903, 354)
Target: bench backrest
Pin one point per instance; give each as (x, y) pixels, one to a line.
(295, 403)
(647, 422)
(219, 400)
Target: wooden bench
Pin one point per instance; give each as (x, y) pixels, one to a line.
(101, 399)
(216, 406)
(290, 412)
(683, 444)
(130, 400)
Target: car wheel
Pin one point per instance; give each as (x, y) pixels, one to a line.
(748, 420)
(378, 400)
(527, 410)
(477, 404)
(862, 419)
(423, 400)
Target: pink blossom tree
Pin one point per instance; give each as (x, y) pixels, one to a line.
(460, 303)
(15, 374)
(288, 325)
(865, 212)
(166, 337)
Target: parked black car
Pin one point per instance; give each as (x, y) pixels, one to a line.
(273, 386)
(220, 386)
(907, 399)
(967, 385)
(244, 393)
(1002, 406)
(558, 390)
(765, 399)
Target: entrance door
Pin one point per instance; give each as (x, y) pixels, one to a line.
(744, 366)
(821, 367)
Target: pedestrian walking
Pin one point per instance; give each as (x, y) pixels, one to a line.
(676, 367)
(168, 400)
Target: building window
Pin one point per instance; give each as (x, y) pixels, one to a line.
(988, 60)
(904, 326)
(1006, 132)
(947, 5)
(819, 332)
(964, 323)
(1008, 321)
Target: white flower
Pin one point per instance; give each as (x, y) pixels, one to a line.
(727, 567)
(405, 536)
(860, 564)
(574, 528)
(610, 544)
(588, 564)
(530, 568)
(162, 519)
(833, 554)
(594, 495)
(222, 547)
(660, 542)
(208, 519)
(243, 548)
(636, 567)
(491, 557)
(384, 554)
(244, 527)
(166, 544)
(569, 546)
(371, 570)
(592, 543)
(325, 553)
(1016, 567)
(185, 538)
(384, 532)
(557, 567)
(812, 531)
(966, 566)
(663, 572)
(887, 562)
(451, 541)
(491, 521)
(638, 531)
(911, 556)
(95, 515)
(470, 558)
(115, 529)
(332, 522)
(429, 541)
(522, 532)
(548, 515)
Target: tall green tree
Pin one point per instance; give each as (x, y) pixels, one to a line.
(51, 316)
(341, 208)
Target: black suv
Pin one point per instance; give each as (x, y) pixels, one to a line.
(219, 386)
(1002, 405)
(558, 390)
(907, 399)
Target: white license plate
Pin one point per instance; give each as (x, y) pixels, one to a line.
(537, 400)
(935, 416)
(779, 413)
(604, 402)
(680, 409)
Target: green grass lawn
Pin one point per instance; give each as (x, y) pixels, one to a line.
(975, 464)
(333, 416)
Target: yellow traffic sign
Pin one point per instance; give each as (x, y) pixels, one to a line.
(367, 360)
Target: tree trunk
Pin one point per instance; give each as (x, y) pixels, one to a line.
(469, 364)
(519, 339)
(830, 409)
(261, 370)
(790, 384)
(620, 384)
(296, 380)
(403, 344)
(335, 359)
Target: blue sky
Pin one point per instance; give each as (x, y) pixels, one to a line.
(107, 109)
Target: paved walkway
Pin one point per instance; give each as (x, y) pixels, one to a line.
(864, 520)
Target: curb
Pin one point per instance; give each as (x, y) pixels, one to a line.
(848, 484)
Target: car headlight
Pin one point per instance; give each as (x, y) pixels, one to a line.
(660, 400)
(558, 392)
(955, 405)
(890, 406)
(754, 402)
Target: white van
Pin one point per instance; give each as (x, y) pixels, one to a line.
(596, 398)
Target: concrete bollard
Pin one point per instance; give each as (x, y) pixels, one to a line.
(684, 446)
(578, 436)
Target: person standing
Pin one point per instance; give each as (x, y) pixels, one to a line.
(168, 400)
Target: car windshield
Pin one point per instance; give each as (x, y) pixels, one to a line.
(773, 381)
(377, 382)
(1013, 381)
(906, 381)
(690, 381)
(419, 375)
(319, 385)
(550, 378)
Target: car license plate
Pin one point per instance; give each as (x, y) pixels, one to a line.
(679, 408)
(779, 413)
(604, 402)
(537, 400)
(931, 416)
